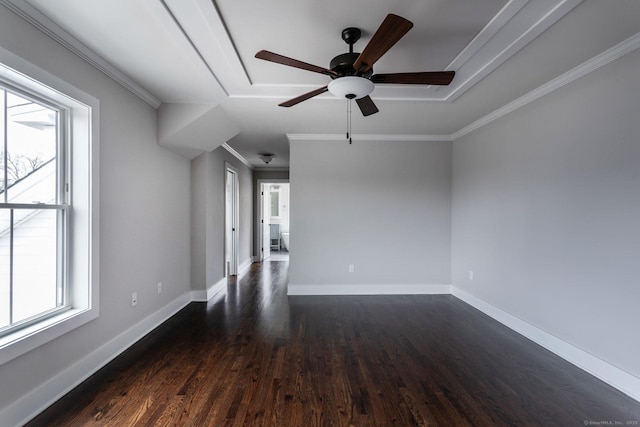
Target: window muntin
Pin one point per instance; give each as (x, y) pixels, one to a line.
(33, 210)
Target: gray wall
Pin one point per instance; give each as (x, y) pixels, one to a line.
(144, 214)
(208, 214)
(199, 191)
(546, 203)
(383, 206)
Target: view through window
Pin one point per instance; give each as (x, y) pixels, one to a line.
(33, 210)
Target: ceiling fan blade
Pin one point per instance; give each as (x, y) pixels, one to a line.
(390, 31)
(426, 78)
(279, 59)
(367, 106)
(304, 97)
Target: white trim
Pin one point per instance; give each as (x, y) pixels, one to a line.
(512, 8)
(217, 288)
(231, 261)
(245, 266)
(259, 209)
(199, 296)
(221, 35)
(378, 289)
(612, 375)
(84, 110)
(221, 285)
(609, 55)
(22, 410)
(309, 137)
(172, 25)
(621, 49)
(213, 290)
(499, 20)
(46, 394)
(54, 31)
(509, 48)
(516, 24)
(237, 155)
(274, 169)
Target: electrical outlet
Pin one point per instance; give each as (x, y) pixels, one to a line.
(134, 299)
(352, 268)
(470, 274)
(159, 287)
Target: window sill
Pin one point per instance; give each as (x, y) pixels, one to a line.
(26, 339)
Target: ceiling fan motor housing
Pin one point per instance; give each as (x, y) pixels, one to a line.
(343, 65)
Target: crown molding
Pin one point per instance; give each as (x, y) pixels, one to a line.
(51, 29)
(308, 137)
(515, 25)
(617, 51)
(621, 49)
(486, 51)
(504, 42)
(55, 32)
(182, 37)
(268, 169)
(237, 155)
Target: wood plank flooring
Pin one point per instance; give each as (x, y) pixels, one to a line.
(256, 357)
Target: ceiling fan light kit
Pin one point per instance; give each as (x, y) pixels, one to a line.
(351, 87)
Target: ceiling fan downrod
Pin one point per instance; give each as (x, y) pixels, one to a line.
(342, 64)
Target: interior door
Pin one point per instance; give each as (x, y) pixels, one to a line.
(266, 237)
(231, 223)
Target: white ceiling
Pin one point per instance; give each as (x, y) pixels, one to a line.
(202, 52)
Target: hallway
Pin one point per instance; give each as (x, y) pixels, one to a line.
(254, 356)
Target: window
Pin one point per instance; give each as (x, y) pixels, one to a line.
(275, 202)
(48, 207)
(33, 210)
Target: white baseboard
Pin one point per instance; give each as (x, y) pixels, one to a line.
(244, 266)
(46, 394)
(217, 288)
(431, 289)
(199, 296)
(612, 375)
(213, 290)
(39, 399)
(22, 411)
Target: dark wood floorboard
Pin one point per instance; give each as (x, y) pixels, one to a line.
(256, 357)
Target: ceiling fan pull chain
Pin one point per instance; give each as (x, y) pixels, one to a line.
(348, 104)
(349, 120)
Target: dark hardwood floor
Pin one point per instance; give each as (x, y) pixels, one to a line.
(257, 357)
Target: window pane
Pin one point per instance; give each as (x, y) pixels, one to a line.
(34, 262)
(5, 221)
(275, 204)
(31, 151)
(2, 169)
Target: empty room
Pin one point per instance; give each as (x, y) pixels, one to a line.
(420, 213)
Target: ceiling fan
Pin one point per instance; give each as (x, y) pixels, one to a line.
(352, 72)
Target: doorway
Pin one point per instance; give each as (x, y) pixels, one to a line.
(231, 220)
(273, 221)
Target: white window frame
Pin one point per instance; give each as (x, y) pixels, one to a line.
(59, 205)
(81, 127)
